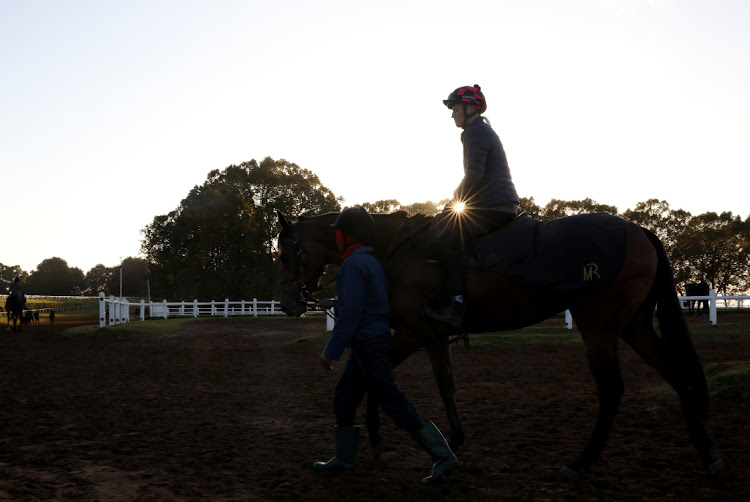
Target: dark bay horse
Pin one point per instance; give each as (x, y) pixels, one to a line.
(14, 306)
(697, 307)
(623, 309)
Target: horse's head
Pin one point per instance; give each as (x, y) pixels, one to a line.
(305, 248)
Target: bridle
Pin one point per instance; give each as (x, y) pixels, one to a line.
(304, 293)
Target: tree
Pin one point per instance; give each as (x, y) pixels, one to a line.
(54, 277)
(98, 280)
(714, 248)
(382, 206)
(558, 208)
(8, 273)
(219, 242)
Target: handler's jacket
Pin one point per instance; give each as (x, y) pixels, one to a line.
(487, 182)
(362, 307)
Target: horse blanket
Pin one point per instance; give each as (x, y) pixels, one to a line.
(570, 254)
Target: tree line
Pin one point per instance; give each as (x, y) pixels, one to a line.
(219, 241)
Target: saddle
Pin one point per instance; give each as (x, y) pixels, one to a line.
(569, 254)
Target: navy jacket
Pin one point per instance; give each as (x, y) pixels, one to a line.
(362, 308)
(487, 182)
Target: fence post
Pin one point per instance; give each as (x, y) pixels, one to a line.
(712, 307)
(125, 311)
(195, 307)
(102, 310)
(568, 320)
(143, 309)
(166, 308)
(226, 307)
(111, 310)
(255, 307)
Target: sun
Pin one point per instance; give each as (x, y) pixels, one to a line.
(459, 207)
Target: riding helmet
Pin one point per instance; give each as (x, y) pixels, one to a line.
(358, 223)
(469, 94)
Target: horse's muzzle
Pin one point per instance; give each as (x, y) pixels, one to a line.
(296, 309)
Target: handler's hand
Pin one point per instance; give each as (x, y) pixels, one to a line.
(327, 364)
(326, 303)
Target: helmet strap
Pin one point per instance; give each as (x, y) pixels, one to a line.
(467, 115)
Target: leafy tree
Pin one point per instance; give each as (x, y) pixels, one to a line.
(558, 208)
(428, 208)
(714, 248)
(8, 273)
(381, 206)
(54, 277)
(219, 241)
(98, 279)
(527, 205)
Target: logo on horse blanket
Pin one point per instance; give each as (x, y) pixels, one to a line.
(572, 253)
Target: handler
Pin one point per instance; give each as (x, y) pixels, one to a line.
(362, 323)
(484, 201)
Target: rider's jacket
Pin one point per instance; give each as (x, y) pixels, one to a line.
(487, 181)
(362, 307)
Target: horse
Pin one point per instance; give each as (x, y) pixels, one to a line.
(14, 306)
(622, 309)
(697, 289)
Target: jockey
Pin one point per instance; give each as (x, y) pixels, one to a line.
(362, 312)
(15, 289)
(484, 201)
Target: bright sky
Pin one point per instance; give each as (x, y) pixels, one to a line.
(110, 111)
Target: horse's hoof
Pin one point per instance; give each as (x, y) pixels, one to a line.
(569, 474)
(716, 469)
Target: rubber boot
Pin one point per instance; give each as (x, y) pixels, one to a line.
(432, 441)
(347, 442)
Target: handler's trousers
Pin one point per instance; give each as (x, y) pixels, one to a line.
(369, 369)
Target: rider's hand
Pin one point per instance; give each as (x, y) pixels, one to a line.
(326, 303)
(325, 363)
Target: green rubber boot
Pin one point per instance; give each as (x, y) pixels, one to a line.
(432, 441)
(347, 442)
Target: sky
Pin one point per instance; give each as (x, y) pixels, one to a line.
(110, 111)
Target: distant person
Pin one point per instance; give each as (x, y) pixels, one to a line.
(52, 317)
(362, 310)
(486, 197)
(36, 316)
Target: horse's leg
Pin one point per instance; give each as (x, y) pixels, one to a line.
(604, 365)
(668, 361)
(440, 357)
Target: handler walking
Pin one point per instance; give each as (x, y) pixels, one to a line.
(362, 323)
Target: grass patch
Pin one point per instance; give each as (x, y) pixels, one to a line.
(526, 336)
(729, 380)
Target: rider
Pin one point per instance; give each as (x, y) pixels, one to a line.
(15, 289)
(485, 200)
(362, 324)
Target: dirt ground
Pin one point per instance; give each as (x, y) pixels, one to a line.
(238, 410)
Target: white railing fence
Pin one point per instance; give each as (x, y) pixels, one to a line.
(727, 302)
(114, 310)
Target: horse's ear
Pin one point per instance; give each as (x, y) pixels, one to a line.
(283, 221)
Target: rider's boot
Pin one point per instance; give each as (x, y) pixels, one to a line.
(347, 442)
(447, 306)
(432, 441)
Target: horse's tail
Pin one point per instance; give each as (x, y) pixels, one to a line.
(680, 350)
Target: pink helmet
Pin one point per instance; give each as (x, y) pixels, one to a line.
(469, 94)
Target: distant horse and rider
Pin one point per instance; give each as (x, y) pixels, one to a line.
(611, 274)
(15, 304)
(697, 289)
